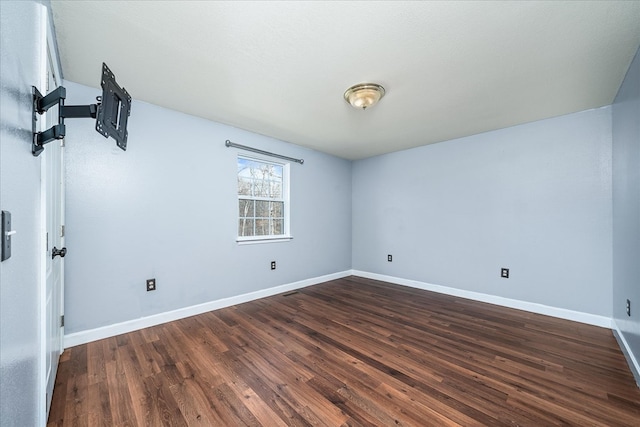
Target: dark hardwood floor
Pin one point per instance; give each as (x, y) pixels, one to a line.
(351, 352)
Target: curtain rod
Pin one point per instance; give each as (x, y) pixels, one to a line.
(266, 153)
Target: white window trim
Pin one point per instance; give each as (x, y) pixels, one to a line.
(256, 240)
(248, 240)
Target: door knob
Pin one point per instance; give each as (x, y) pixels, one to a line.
(55, 252)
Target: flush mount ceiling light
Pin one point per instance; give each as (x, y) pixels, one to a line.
(364, 95)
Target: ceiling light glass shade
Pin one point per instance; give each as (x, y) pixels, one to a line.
(364, 95)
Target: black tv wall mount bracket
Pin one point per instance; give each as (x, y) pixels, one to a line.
(111, 112)
(42, 103)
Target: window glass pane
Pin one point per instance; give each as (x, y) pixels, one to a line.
(245, 227)
(261, 187)
(245, 166)
(262, 227)
(246, 208)
(276, 189)
(244, 186)
(276, 172)
(277, 226)
(277, 209)
(262, 209)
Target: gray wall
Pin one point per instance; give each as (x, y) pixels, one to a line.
(535, 198)
(20, 62)
(626, 207)
(166, 208)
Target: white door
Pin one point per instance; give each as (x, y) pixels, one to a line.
(53, 201)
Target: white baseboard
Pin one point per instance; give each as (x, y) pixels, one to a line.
(632, 360)
(90, 335)
(83, 337)
(562, 313)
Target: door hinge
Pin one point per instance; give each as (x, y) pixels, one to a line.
(62, 321)
(62, 231)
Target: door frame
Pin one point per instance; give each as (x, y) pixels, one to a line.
(48, 54)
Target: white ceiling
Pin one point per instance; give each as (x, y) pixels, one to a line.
(280, 69)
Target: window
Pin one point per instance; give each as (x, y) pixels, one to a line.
(263, 200)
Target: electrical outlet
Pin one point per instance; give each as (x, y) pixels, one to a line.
(629, 308)
(151, 285)
(273, 265)
(504, 272)
(389, 258)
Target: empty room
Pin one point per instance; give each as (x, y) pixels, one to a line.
(331, 213)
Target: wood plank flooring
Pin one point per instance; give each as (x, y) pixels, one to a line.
(351, 352)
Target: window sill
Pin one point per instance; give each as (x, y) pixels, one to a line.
(258, 240)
